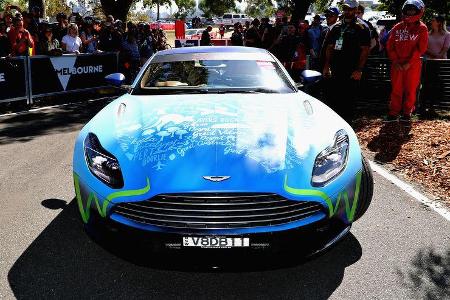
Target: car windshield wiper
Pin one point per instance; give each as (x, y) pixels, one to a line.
(241, 91)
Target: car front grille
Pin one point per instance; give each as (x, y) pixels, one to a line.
(217, 210)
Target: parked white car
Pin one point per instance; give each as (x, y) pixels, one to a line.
(229, 19)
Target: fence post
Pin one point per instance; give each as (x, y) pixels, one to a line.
(29, 84)
(421, 91)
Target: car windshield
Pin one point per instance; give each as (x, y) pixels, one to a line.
(213, 76)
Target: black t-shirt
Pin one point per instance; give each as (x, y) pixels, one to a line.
(252, 38)
(285, 51)
(5, 47)
(206, 38)
(110, 41)
(354, 35)
(59, 32)
(237, 39)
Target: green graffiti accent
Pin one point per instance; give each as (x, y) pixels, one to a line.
(129, 193)
(349, 211)
(85, 212)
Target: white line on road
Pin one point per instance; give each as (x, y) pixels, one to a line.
(434, 205)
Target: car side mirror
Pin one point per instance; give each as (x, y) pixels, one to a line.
(115, 79)
(310, 77)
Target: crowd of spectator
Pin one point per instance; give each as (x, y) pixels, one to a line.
(339, 44)
(25, 33)
(290, 41)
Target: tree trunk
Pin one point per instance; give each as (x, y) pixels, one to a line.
(157, 11)
(117, 8)
(38, 3)
(300, 9)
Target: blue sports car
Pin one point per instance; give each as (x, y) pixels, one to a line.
(216, 147)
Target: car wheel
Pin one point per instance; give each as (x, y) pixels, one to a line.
(366, 191)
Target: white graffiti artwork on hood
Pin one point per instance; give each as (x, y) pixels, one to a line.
(169, 133)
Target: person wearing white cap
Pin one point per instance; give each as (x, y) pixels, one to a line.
(347, 48)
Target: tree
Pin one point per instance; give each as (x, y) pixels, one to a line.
(185, 7)
(216, 7)
(321, 5)
(157, 3)
(431, 7)
(298, 8)
(117, 8)
(53, 7)
(260, 8)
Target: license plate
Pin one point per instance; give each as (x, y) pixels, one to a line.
(216, 242)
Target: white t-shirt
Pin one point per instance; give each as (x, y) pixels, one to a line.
(72, 43)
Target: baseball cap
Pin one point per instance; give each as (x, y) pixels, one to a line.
(350, 3)
(333, 10)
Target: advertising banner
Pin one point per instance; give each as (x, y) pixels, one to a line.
(220, 42)
(13, 79)
(70, 72)
(186, 43)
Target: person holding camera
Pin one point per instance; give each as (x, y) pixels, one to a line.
(61, 28)
(22, 43)
(89, 37)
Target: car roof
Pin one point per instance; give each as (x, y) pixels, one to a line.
(211, 49)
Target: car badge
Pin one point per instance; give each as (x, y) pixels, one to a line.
(216, 178)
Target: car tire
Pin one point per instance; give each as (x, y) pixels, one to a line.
(366, 190)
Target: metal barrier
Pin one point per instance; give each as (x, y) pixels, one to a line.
(434, 90)
(436, 84)
(50, 75)
(180, 43)
(13, 79)
(27, 78)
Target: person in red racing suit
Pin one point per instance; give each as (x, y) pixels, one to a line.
(408, 40)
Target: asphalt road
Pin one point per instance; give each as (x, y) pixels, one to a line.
(398, 250)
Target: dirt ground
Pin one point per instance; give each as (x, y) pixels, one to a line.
(420, 152)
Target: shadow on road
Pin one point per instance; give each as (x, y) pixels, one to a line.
(428, 276)
(24, 127)
(389, 141)
(63, 262)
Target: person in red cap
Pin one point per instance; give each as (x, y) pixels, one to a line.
(407, 42)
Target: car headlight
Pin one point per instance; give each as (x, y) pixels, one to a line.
(102, 163)
(331, 161)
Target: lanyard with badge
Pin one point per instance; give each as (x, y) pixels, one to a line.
(340, 41)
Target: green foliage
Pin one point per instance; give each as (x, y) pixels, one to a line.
(137, 17)
(152, 3)
(23, 4)
(321, 5)
(431, 7)
(185, 7)
(52, 7)
(212, 8)
(260, 8)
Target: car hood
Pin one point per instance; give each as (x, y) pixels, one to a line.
(254, 139)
